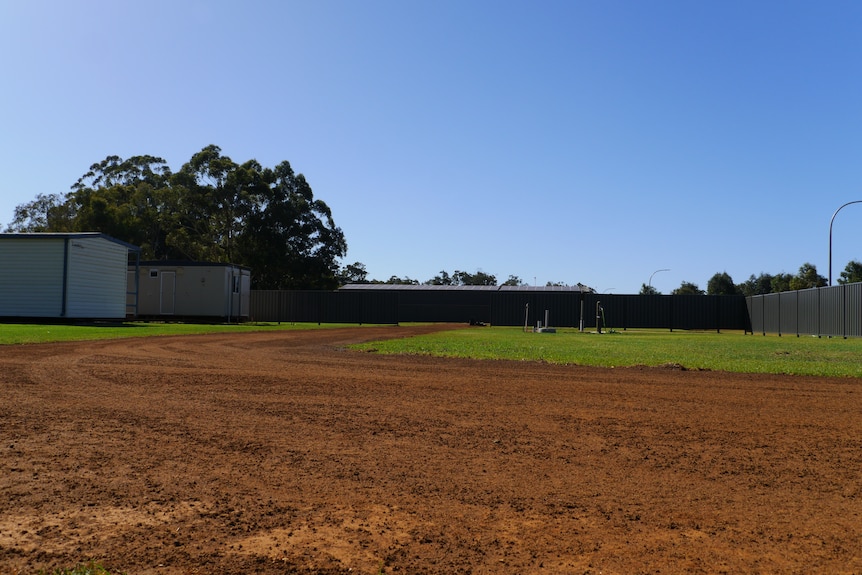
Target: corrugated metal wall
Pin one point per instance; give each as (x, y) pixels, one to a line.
(828, 311)
(96, 286)
(853, 309)
(520, 307)
(458, 306)
(31, 284)
(324, 307)
(78, 275)
(501, 307)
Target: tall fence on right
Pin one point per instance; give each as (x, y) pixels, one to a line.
(828, 311)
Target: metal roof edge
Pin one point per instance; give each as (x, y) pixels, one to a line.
(66, 235)
(190, 263)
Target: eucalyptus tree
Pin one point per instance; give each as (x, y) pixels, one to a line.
(807, 277)
(44, 214)
(721, 284)
(852, 273)
(757, 285)
(127, 199)
(687, 288)
(290, 239)
(212, 209)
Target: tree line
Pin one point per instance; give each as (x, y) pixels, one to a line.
(356, 273)
(719, 284)
(213, 209)
(806, 277)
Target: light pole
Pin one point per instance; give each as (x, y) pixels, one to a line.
(649, 285)
(830, 234)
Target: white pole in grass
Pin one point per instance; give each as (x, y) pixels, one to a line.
(526, 316)
(581, 323)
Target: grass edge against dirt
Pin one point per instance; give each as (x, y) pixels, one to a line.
(709, 351)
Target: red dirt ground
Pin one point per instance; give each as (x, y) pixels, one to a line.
(284, 453)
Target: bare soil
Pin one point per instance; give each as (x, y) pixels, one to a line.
(285, 453)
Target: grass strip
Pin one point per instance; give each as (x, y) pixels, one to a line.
(726, 351)
(20, 333)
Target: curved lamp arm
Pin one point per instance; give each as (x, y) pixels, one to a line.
(830, 234)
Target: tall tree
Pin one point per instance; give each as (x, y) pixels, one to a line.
(395, 280)
(648, 290)
(441, 279)
(213, 209)
(852, 273)
(124, 199)
(807, 278)
(290, 239)
(44, 214)
(781, 282)
(759, 285)
(688, 288)
(721, 284)
(354, 273)
(478, 279)
(213, 200)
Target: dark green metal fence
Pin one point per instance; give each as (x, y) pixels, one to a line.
(506, 307)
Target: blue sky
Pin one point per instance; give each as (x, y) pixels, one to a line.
(567, 141)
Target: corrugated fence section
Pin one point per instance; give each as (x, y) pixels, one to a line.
(324, 306)
(828, 311)
(502, 307)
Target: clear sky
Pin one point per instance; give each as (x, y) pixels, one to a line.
(567, 141)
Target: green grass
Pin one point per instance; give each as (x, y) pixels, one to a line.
(15, 333)
(726, 351)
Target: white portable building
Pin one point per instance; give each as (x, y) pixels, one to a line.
(187, 289)
(63, 275)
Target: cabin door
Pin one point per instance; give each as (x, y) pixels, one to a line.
(168, 291)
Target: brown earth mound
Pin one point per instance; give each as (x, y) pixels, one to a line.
(283, 453)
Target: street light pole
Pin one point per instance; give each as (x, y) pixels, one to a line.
(830, 234)
(655, 272)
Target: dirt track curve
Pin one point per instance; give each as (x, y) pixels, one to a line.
(284, 453)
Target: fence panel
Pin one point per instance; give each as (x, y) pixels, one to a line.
(827, 311)
(444, 306)
(629, 311)
(853, 310)
(695, 312)
(788, 316)
(565, 308)
(831, 311)
(808, 310)
(771, 313)
(755, 312)
(324, 307)
(733, 313)
(514, 308)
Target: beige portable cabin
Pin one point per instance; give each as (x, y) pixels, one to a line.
(185, 289)
(64, 275)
